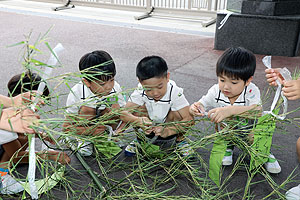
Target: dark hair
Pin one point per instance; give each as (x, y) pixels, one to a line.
(97, 65)
(236, 62)
(19, 84)
(151, 66)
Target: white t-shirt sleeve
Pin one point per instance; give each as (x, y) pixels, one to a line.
(209, 99)
(121, 99)
(7, 136)
(136, 97)
(71, 103)
(178, 99)
(252, 95)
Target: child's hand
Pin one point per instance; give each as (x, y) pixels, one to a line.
(99, 130)
(219, 114)
(144, 123)
(196, 109)
(46, 137)
(291, 89)
(25, 98)
(18, 121)
(272, 75)
(87, 112)
(160, 131)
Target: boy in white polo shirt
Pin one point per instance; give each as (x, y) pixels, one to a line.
(158, 100)
(234, 94)
(96, 94)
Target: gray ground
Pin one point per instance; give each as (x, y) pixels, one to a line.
(191, 60)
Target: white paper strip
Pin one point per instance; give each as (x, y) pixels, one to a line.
(32, 157)
(287, 76)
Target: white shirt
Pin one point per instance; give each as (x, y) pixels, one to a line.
(215, 98)
(173, 100)
(80, 95)
(7, 136)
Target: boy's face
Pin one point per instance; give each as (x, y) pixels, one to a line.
(232, 87)
(156, 87)
(100, 88)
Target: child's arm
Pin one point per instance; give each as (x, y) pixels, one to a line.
(18, 100)
(85, 114)
(219, 114)
(291, 89)
(128, 116)
(183, 117)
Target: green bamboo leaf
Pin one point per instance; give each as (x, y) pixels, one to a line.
(16, 44)
(46, 184)
(34, 48)
(37, 62)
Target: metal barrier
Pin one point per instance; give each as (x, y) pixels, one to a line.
(198, 10)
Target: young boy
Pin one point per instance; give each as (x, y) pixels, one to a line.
(96, 94)
(14, 145)
(291, 89)
(157, 99)
(234, 94)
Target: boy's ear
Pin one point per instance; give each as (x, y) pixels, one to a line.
(86, 82)
(139, 80)
(168, 76)
(249, 81)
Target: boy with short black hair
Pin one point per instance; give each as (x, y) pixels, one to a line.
(158, 100)
(96, 94)
(234, 94)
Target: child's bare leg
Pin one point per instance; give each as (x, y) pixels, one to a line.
(23, 139)
(60, 157)
(9, 150)
(22, 156)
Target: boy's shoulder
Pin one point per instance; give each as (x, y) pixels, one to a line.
(174, 89)
(117, 87)
(80, 92)
(214, 88)
(77, 87)
(252, 87)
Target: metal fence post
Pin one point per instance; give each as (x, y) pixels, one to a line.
(209, 3)
(148, 5)
(216, 5)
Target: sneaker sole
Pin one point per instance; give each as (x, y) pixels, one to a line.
(274, 171)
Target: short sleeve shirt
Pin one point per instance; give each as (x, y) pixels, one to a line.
(7, 136)
(215, 98)
(81, 95)
(173, 100)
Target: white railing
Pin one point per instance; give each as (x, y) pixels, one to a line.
(199, 10)
(208, 5)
